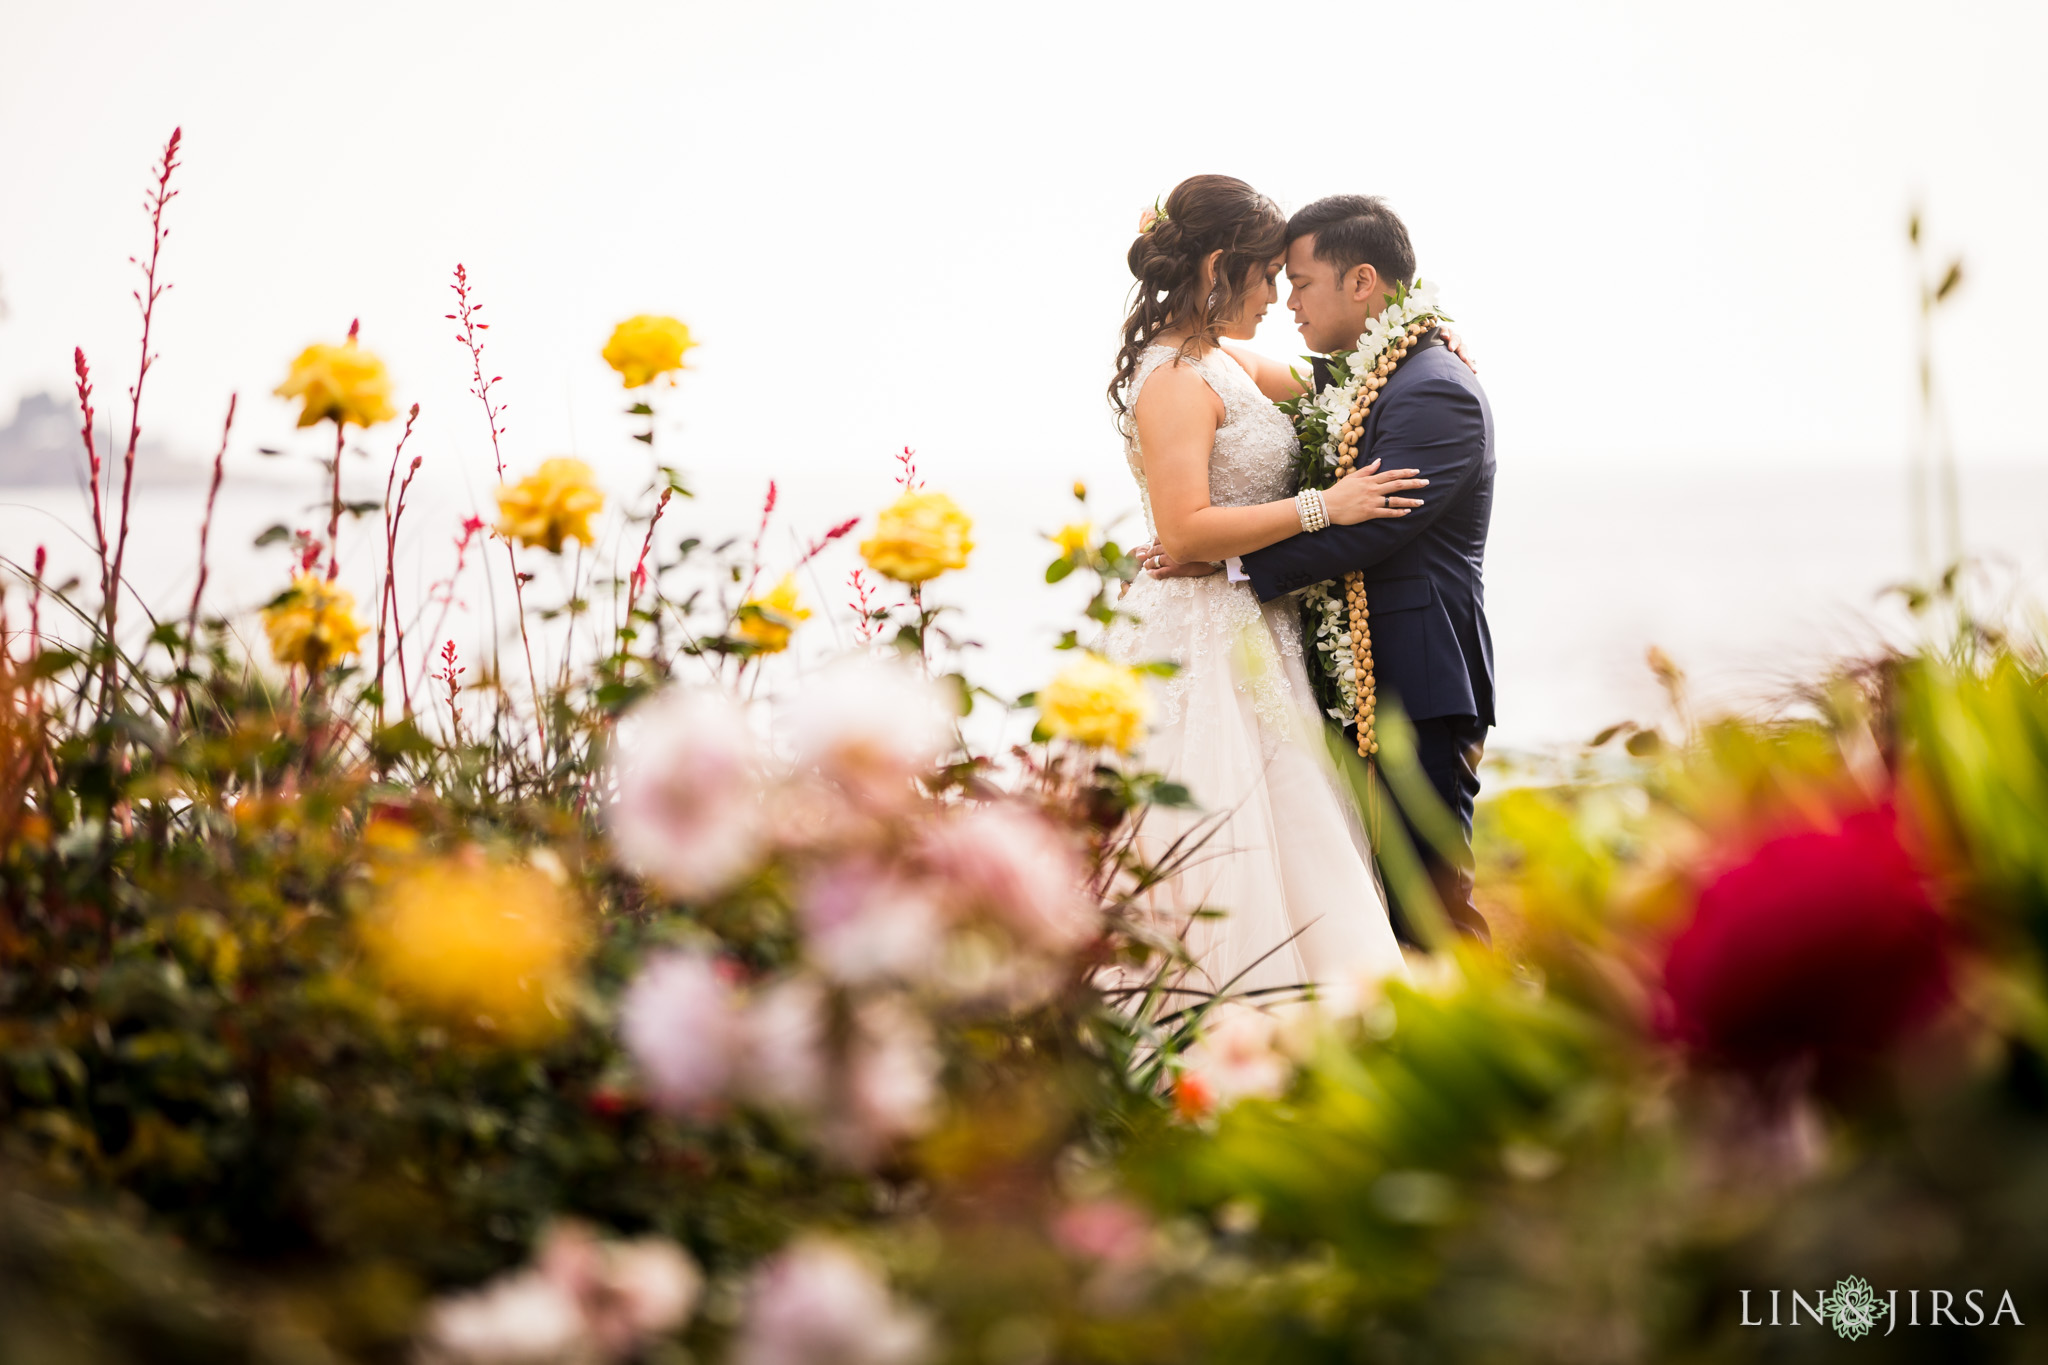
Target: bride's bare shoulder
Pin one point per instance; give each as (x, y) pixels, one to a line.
(1176, 385)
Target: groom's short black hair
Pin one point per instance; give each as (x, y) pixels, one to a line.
(1357, 229)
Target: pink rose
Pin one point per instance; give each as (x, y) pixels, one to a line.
(680, 1021)
(629, 1292)
(785, 1065)
(820, 1303)
(863, 924)
(687, 814)
(1019, 869)
(583, 1299)
(889, 1086)
(872, 727)
(1113, 1231)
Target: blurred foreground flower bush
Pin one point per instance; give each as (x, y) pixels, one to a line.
(682, 1010)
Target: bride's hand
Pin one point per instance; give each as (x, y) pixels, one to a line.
(1457, 347)
(1367, 495)
(1159, 564)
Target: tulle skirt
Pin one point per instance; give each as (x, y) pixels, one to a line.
(1283, 854)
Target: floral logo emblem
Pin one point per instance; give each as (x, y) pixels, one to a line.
(1853, 1308)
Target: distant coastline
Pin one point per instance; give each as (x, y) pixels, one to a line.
(42, 447)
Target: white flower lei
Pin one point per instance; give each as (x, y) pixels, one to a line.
(1324, 414)
(1335, 401)
(1333, 647)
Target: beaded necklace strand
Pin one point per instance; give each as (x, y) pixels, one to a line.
(1354, 581)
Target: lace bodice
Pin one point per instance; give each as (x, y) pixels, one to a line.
(1210, 624)
(1253, 461)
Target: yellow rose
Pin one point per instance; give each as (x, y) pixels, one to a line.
(553, 504)
(766, 621)
(918, 537)
(344, 383)
(1094, 701)
(1074, 537)
(465, 937)
(645, 347)
(313, 624)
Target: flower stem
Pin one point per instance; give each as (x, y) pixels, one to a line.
(334, 509)
(151, 291)
(199, 588)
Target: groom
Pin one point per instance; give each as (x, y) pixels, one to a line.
(1433, 656)
(1432, 653)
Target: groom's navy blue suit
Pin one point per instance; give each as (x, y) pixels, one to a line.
(1432, 653)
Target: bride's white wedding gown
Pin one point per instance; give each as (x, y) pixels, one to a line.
(1238, 725)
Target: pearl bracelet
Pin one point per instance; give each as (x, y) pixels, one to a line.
(1308, 505)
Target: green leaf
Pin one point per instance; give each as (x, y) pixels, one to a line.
(1160, 668)
(51, 662)
(1058, 569)
(1171, 794)
(272, 535)
(402, 739)
(1949, 281)
(1610, 732)
(640, 410)
(614, 697)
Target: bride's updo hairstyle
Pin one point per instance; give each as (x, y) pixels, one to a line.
(1204, 213)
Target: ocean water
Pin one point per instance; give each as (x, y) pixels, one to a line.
(1749, 576)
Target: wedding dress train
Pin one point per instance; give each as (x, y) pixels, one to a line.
(1286, 859)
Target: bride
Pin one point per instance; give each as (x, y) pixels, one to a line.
(1285, 858)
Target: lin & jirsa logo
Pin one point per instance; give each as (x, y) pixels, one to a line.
(1854, 1309)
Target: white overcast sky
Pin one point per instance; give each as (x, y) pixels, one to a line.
(1673, 232)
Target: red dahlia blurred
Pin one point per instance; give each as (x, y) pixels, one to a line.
(1823, 944)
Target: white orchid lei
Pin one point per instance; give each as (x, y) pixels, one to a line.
(1329, 425)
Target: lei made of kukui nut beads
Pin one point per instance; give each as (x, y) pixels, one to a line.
(1360, 610)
